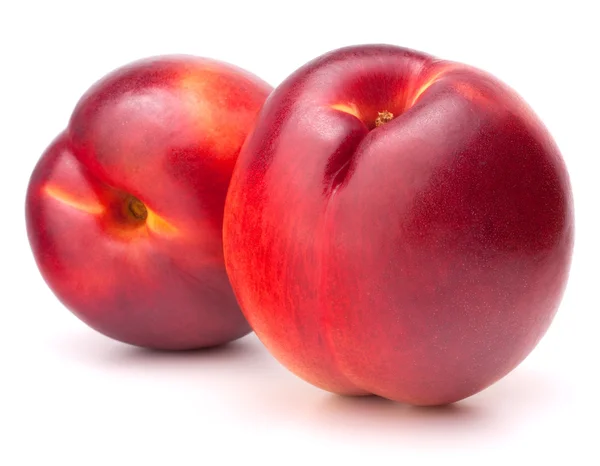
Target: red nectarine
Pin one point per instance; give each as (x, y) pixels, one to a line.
(125, 208)
(398, 225)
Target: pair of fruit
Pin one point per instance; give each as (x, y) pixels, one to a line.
(388, 222)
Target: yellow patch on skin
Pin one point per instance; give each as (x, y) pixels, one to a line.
(62, 196)
(347, 108)
(211, 117)
(427, 84)
(193, 82)
(159, 225)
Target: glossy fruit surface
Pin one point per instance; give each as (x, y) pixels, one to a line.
(399, 225)
(125, 208)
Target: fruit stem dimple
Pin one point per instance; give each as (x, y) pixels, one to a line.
(383, 117)
(137, 208)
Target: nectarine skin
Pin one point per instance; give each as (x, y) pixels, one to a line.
(398, 225)
(124, 209)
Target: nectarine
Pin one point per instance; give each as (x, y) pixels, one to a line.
(398, 225)
(125, 208)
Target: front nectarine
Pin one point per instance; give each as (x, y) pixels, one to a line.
(399, 225)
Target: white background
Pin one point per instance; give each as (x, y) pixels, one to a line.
(72, 397)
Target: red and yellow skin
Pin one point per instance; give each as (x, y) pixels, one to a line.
(398, 225)
(125, 208)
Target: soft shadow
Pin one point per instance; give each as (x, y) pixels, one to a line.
(506, 406)
(386, 420)
(225, 352)
(384, 410)
(254, 386)
(100, 352)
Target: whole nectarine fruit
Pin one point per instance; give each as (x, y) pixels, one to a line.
(398, 225)
(125, 207)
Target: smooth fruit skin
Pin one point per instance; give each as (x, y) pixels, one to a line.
(124, 209)
(420, 260)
